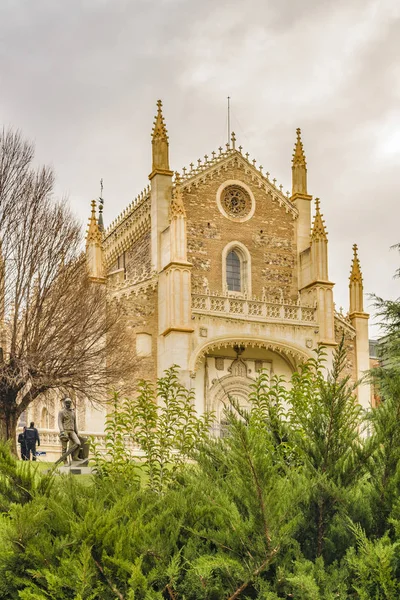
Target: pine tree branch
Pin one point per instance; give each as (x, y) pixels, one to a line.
(170, 591)
(257, 572)
(258, 489)
(320, 527)
(208, 539)
(109, 582)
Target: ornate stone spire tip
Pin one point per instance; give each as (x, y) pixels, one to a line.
(94, 233)
(318, 229)
(159, 129)
(355, 274)
(299, 158)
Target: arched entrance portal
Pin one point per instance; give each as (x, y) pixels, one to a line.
(230, 371)
(236, 386)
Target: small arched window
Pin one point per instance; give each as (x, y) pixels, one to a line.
(45, 418)
(233, 272)
(236, 269)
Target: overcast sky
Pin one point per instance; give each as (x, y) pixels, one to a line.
(81, 79)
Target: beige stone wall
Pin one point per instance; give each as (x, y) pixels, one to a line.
(269, 237)
(142, 317)
(140, 307)
(138, 257)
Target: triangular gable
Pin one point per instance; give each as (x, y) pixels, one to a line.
(207, 169)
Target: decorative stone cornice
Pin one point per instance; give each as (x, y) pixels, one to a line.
(160, 172)
(322, 283)
(178, 330)
(180, 264)
(358, 315)
(298, 196)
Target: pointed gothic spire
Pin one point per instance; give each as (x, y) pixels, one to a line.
(93, 233)
(159, 128)
(356, 288)
(299, 167)
(299, 158)
(355, 274)
(160, 144)
(177, 207)
(94, 248)
(318, 229)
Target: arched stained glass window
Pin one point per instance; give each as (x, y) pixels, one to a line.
(233, 275)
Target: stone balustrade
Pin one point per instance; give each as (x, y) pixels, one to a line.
(50, 437)
(51, 444)
(253, 310)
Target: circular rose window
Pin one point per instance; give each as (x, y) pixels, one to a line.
(235, 201)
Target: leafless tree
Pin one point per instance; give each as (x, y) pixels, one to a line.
(57, 330)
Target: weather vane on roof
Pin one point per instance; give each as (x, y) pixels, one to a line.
(101, 191)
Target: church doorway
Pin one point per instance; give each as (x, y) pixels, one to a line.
(229, 375)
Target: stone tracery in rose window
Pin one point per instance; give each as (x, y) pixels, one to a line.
(236, 201)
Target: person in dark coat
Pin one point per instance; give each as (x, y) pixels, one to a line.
(31, 439)
(22, 443)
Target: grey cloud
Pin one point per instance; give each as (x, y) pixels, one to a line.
(81, 78)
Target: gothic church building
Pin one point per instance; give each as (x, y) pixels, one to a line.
(224, 275)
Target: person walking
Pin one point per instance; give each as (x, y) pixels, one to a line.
(22, 443)
(31, 439)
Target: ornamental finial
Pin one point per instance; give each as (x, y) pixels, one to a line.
(299, 167)
(318, 229)
(355, 275)
(159, 129)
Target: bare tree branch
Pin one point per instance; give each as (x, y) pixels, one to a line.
(57, 329)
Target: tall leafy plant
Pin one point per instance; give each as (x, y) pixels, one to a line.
(156, 431)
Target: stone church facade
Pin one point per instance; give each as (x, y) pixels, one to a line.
(223, 274)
